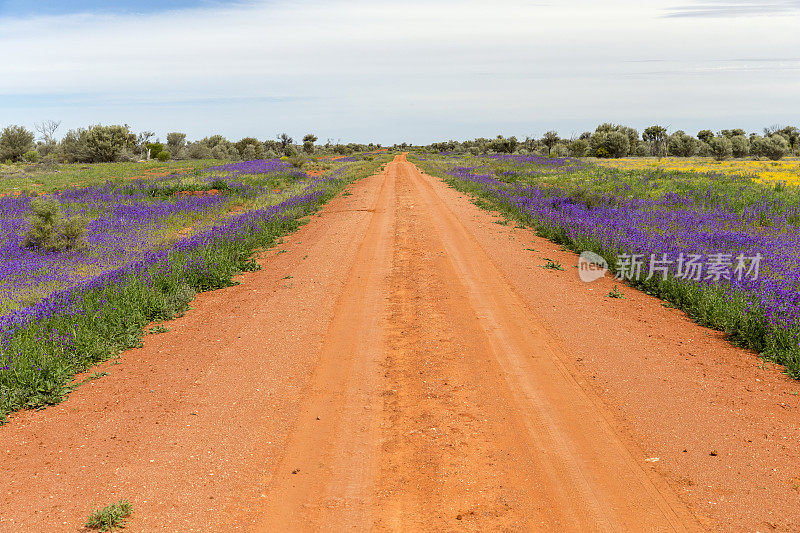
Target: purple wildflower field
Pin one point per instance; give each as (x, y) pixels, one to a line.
(155, 240)
(670, 216)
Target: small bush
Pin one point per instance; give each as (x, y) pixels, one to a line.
(51, 232)
(31, 156)
(110, 517)
(164, 156)
(722, 148)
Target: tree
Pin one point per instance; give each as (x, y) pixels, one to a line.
(578, 148)
(609, 144)
(682, 145)
(47, 135)
(175, 142)
(284, 140)
(705, 135)
(256, 152)
(14, 142)
(740, 145)
(504, 145)
(656, 137)
(722, 147)
(630, 133)
(308, 143)
(153, 149)
(550, 139)
(730, 134)
(774, 147)
(106, 143)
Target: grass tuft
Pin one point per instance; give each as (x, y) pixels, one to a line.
(111, 517)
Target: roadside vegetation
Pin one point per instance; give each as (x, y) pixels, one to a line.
(83, 270)
(711, 219)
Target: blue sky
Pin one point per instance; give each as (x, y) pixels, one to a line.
(388, 71)
(26, 8)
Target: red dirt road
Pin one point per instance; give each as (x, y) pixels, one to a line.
(406, 365)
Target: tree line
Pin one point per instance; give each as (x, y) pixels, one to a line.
(615, 140)
(100, 143)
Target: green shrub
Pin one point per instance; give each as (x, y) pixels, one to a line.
(722, 147)
(741, 146)
(610, 144)
(111, 517)
(31, 156)
(15, 141)
(774, 147)
(163, 155)
(51, 232)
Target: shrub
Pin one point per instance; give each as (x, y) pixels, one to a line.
(175, 142)
(31, 156)
(298, 161)
(111, 517)
(722, 147)
(610, 144)
(15, 141)
(163, 155)
(740, 145)
(50, 231)
(155, 149)
(73, 147)
(774, 147)
(578, 148)
(682, 145)
(105, 143)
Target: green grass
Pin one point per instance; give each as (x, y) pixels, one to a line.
(26, 178)
(111, 517)
(552, 265)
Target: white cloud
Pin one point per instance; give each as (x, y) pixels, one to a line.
(395, 70)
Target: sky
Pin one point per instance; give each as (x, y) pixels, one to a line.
(390, 71)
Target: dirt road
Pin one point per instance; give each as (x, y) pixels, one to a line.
(405, 365)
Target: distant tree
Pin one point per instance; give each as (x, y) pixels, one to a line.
(550, 139)
(609, 144)
(656, 137)
(705, 135)
(722, 147)
(504, 145)
(153, 149)
(47, 136)
(774, 147)
(682, 145)
(730, 134)
(740, 146)
(198, 150)
(578, 147)
(308, 143)
(176, 141)
(791, 134)
(284, 140)
(106, 143)
(256, 152)
(14, 142)
(630, 133)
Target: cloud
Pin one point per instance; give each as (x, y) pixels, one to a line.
(724, 8)
(386, 70)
